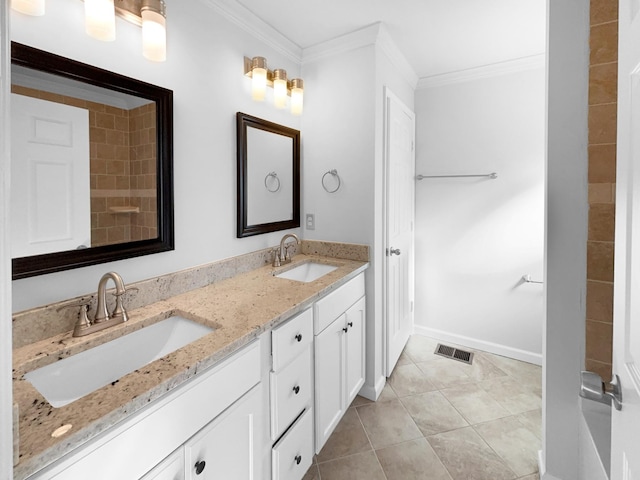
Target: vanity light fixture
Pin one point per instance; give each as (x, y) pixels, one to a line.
(29, 7)
(154, 30)
(297, 96)
(258, 78)
(100, 20)
(262, 77)
(280, 87)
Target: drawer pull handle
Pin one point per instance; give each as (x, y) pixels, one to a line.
(200, 467)
(350, 324)
(345, 329)
(298, 337)
(296, 389)
(298, 459)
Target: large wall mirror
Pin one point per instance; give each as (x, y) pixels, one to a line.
(91, 165)
(268, 176)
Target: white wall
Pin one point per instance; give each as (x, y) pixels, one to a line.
(204, 68)
(476, 238)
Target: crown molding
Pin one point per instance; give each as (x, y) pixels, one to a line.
(244, 18)
(486, 71)
(344, 43)
(375, 34)
(397, 58)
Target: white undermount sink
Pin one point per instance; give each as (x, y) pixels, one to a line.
(307, 272)
(74, 377)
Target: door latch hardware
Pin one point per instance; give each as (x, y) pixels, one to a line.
(593, 388)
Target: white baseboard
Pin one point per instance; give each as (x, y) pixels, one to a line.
(542, 470)
(541, 466)
(503, 350)
(372, 392)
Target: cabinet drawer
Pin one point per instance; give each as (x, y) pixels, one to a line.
(291, 338)
(171, 468)
(292, 455)
(291, 392)
(327, 309)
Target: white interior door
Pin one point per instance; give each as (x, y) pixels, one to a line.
(50, 202)
(625, 447)
(400, 205)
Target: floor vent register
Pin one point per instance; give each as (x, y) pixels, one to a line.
(454, 353)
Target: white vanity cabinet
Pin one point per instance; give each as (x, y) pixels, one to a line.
(216, 417)
(339, 325)
(291, 381)
(259, 414)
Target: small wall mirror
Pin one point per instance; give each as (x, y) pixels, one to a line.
(268, 176)
(91, 164)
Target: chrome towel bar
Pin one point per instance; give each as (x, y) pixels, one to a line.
(492, 175)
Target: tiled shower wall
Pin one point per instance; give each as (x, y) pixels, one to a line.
(123, 168)
(142, 134)
(603, 78)
(109, 140)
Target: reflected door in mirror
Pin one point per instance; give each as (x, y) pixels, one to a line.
(50, 177)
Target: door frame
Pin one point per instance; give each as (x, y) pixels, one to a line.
(566, 215)
(388, 93)
(6, 402)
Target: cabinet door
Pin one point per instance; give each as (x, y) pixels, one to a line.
(354, 339)
(229, 447)
(329, 370)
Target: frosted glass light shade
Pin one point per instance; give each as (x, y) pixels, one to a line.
(100, 19)
(280, 88)
(29, 7)
(258, 83)
(297, 96)
(154, 36)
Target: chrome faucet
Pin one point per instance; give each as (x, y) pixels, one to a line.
(282, 255)
(102, 318)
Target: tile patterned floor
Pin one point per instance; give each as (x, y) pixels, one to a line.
(439, 419)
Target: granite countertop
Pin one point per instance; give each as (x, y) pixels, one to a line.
(239, 309)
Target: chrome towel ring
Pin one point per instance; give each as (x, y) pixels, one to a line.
(275, 176)
(333, 172)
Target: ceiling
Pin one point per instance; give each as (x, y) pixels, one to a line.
(436, 36)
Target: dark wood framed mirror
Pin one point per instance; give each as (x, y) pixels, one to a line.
(268, 176)
(112, 198)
